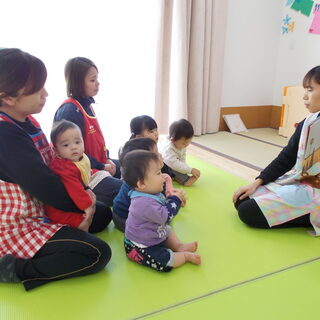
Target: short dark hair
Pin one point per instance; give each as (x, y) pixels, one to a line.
(75, 72)
(313, 74)
(18, 70)
(136, 164)
(140, 123)
(181, 129)
(60, 127)
(136, 144)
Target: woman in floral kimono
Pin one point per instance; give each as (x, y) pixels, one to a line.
(279, 198)
(34, 251)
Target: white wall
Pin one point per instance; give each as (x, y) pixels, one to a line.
(252, 40)
(119, 36)
(299, 51)
(259, 60)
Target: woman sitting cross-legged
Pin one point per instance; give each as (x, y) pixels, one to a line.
(33, 250)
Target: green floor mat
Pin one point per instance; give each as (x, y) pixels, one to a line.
(292, 294)
(231, 253)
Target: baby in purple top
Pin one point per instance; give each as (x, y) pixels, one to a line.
(148, 238)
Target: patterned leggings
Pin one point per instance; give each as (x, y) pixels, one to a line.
(156, 257)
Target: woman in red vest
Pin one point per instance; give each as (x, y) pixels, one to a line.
(33, 250)
(82, 85)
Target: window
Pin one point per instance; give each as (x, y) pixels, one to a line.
(119, 36)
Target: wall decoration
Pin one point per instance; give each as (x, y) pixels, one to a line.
(303, 6)
(291, 26)
(289, 2)
(288, 25)
(286, 19)
(315, 25)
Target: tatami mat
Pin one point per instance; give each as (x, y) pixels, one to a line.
(231, 253)
(267, 135)
(256, 148)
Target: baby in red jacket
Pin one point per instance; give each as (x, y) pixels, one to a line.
(73, 166)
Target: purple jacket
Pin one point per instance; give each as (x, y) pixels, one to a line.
(148, 218)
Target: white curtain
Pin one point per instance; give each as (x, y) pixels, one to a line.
(190, 54)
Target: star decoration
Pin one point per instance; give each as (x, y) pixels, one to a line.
(173, 205)
(286, 20)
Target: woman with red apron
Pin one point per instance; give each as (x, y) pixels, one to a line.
(82, 85)
(34, 251)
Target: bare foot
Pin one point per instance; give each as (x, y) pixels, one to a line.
(190, 181)
(180, 258)
(190, 247)
(193, 257)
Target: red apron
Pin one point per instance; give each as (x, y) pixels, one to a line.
(23, 230)
(94, 144)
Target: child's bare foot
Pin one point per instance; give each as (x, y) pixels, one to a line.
(190, 247)
(190, 181)
(193, 257)
(180, 258)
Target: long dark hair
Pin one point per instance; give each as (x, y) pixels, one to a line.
(75, 71)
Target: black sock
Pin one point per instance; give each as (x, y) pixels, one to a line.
(7, 269)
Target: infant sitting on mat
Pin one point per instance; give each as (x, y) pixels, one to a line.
(174, 153)
(148, 238)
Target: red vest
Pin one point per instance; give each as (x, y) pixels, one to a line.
(94, 144)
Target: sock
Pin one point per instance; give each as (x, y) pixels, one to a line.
(7, 269)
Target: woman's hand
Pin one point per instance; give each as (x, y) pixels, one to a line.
(247, 190)
(110, 167)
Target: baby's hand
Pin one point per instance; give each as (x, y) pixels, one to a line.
(180, 194)
(90, 211)
(88, 217)
(110, 167)
(195, 172)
